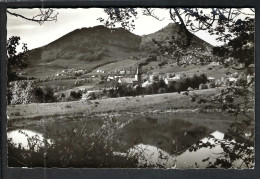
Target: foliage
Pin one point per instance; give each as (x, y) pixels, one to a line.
(158, 86)
(93, 55)
(26, 91)
(90, 149)
(124, 16)
(21, 92)
(234, 27)
(75, 94)
(44, 95)
(15, 60)
(237, 153)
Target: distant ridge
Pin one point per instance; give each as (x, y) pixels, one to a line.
(93, 47)
(167, 33)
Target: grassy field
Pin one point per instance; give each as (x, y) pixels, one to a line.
(210, 70)
(174, 105)
(119, 65)
(146, 103)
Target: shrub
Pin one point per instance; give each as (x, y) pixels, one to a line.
(21, 92)
(211, 85)
(25, 92)
(74, 95)
(49, 95)
(44, 95)
(203, 86)
(89, 149)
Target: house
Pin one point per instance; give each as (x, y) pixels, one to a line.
(126, 80)
(211, 79)
(214, 63)
(168, 80)
(154, 77)
(110, 78)
(92, 94)
(147, 83)
(232, 79)
(122, 72)
(100, 71)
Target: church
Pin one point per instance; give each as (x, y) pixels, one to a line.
(132, 81)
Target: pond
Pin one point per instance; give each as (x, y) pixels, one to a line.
(21, 137)
(188, 159)
(165, 141)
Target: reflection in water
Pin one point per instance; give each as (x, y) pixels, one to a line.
(172, 136)
(152, 155)
(21, 137)
(188, 159)
(161, 141)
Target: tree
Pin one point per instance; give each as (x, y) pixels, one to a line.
(19, 59)
(234, 27)
(15, 59)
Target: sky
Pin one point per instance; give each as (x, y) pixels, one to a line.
(36, 35)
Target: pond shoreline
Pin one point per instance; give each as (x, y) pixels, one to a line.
(41, 121)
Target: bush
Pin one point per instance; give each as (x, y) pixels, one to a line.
(49, 95)
(203, 86)
(25, 92)
(89, 149)
(22, 92)
(75, 95)
(211, 85)
(45, 95)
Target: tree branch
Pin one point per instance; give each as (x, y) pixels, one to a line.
(149, 12)
(42, 17)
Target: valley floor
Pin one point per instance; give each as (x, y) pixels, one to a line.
(145, 103)
(161, 105)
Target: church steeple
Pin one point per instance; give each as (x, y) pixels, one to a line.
(137, 71)
(138, 75)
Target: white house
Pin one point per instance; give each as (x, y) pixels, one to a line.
(147, 83)
(97, 93)
(211, 79)
(232, 79)
(122, 72)
(110, 78)
(168, 80)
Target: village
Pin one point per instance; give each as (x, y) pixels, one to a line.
(111, 81)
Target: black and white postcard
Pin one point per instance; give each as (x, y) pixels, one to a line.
(161, 88)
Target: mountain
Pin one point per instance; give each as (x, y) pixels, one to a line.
(172, 30)
(89, 48)
(83, 48)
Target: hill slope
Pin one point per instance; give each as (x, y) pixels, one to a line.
(83, 48)
(90, 48)
(172, 30)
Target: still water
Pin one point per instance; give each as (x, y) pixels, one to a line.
(186, 159)
(163, 142)
(21, 137)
